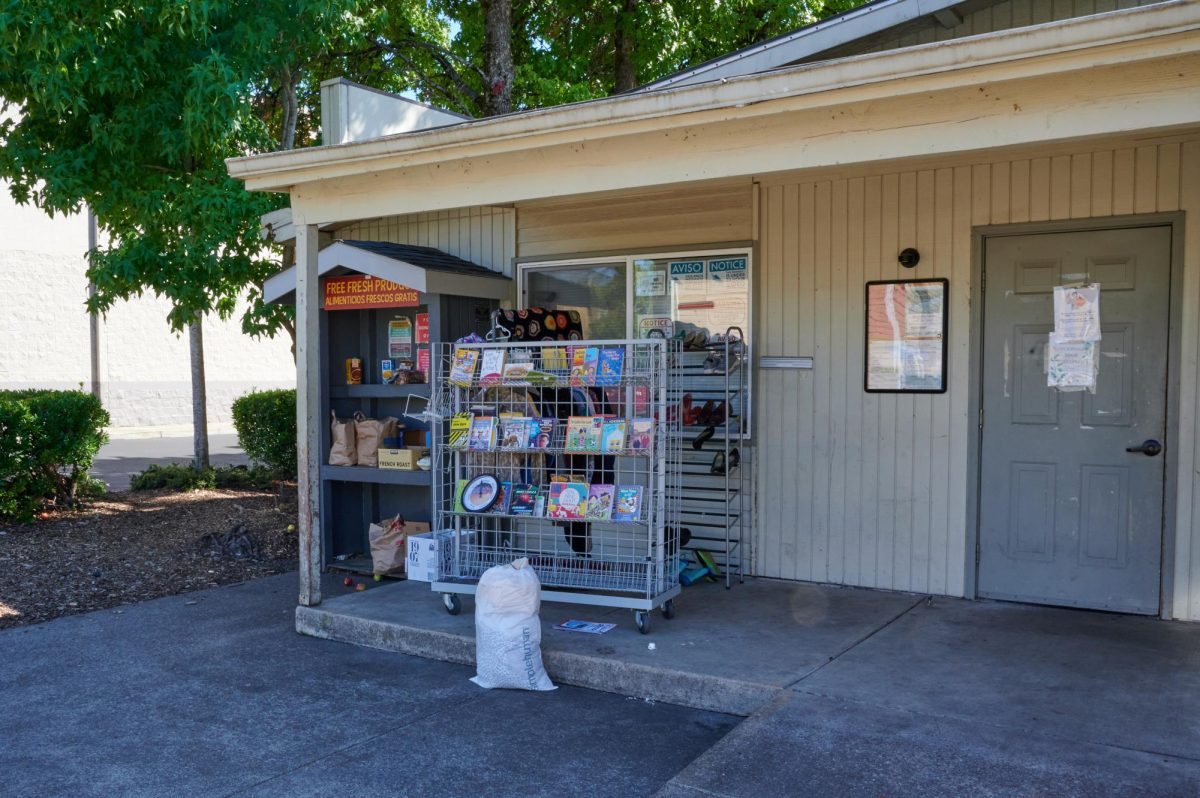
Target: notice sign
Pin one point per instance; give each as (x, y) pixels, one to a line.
(362, 291)
(687, 270)
(727, 269)
(906, 336)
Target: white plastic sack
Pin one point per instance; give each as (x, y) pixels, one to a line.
(508, 632)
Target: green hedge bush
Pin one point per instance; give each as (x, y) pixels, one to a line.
(184, 476)
(48, 440)
(266, 428)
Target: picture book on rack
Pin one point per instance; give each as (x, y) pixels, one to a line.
(641, 431)
(583, 433)
(491, 366)
(504, 500)
(517, 373)
(460, 429)
(567, 500)
(612, 363)
(578, 365)
(627, 506)
(462, 370)
(600, 502)
(483, 434)
(458, 492)
(612, 436)
(524, 500)
(514, 433)
(541, 433)
(591, 365)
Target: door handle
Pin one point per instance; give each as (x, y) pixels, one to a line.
(1150, 448)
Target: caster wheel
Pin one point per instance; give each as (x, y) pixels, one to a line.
(668, 609)
(642, 619)
(453, 603)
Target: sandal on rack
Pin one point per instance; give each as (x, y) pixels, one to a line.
(720, 464)
(717, 417)
(705, 414)
(705, 434)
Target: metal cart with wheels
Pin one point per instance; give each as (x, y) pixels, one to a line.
(571, 457)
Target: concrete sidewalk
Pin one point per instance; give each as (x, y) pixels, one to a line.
(861, 692)
(213, 694)
(121, 458)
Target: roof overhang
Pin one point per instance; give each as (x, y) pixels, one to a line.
(919, 95)
(343, 258)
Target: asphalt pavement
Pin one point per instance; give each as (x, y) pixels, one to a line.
(214, 694)
(119, 460)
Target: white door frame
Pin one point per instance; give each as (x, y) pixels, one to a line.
(975, 392)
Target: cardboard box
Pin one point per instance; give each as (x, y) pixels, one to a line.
(402, 459)
(431, 555)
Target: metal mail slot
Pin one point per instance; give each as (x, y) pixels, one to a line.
(802, 362)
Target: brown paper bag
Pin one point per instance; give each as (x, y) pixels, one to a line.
(369, 434)
(344, 451)
(389, 543)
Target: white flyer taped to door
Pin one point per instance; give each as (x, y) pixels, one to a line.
(1071, 365)
(1077, 312)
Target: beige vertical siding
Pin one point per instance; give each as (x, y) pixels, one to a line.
(990, 18)
(684, 216)
(482, 235)
(871, 489)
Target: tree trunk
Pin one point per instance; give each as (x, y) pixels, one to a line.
(624, 38)
(199, 394)
(498, 60)
(288, 83)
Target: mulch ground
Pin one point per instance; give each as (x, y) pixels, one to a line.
(129, 547)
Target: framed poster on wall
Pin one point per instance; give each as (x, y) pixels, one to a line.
(905, 346)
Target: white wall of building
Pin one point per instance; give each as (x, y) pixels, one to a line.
(144, 372)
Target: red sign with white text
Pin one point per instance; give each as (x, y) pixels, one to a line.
(422, 328)
(361, 291)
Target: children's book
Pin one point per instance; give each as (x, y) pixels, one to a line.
(517, 373)
(612, 363)
(504, 500)
(541, 433)
(600, 502)
(458, 492)
(591, 365)
(460, 429)
(627, 506)
(491, 366)
(641, 431)
(612, 436)
(514, 433)
(561, 477)
(462, 370)
(524, 500)
(567, 500)
(583, 433)
(554, 358)
(578, 365)
(483, 434)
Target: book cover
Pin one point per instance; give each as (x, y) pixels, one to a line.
(483, 434)
(612, 436)
(504, 500)
(591, 365)
(641, 432)
(567, 500)
(627, 506)
(583, 434)
(517, 373)
(491, 366)
(458, 492)
(462, 370)
(541, 433)
(524, 500)
(460, 429)
(612, 364)
(514, 433)
(554, 358)
(578, 364)
(600, 502)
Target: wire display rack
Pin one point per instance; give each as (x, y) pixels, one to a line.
(568, 454)
(711, 386)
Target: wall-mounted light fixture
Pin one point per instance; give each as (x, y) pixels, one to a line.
(909, 258)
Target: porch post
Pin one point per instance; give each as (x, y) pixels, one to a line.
(308, 411)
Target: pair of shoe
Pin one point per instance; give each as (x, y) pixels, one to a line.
(719, 465)
(695, 340)
(715, 363)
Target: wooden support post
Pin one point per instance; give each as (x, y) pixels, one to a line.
(308, 411)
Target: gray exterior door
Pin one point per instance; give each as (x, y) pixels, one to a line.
(1067, 516)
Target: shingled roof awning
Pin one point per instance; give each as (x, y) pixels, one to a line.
(424, 269)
